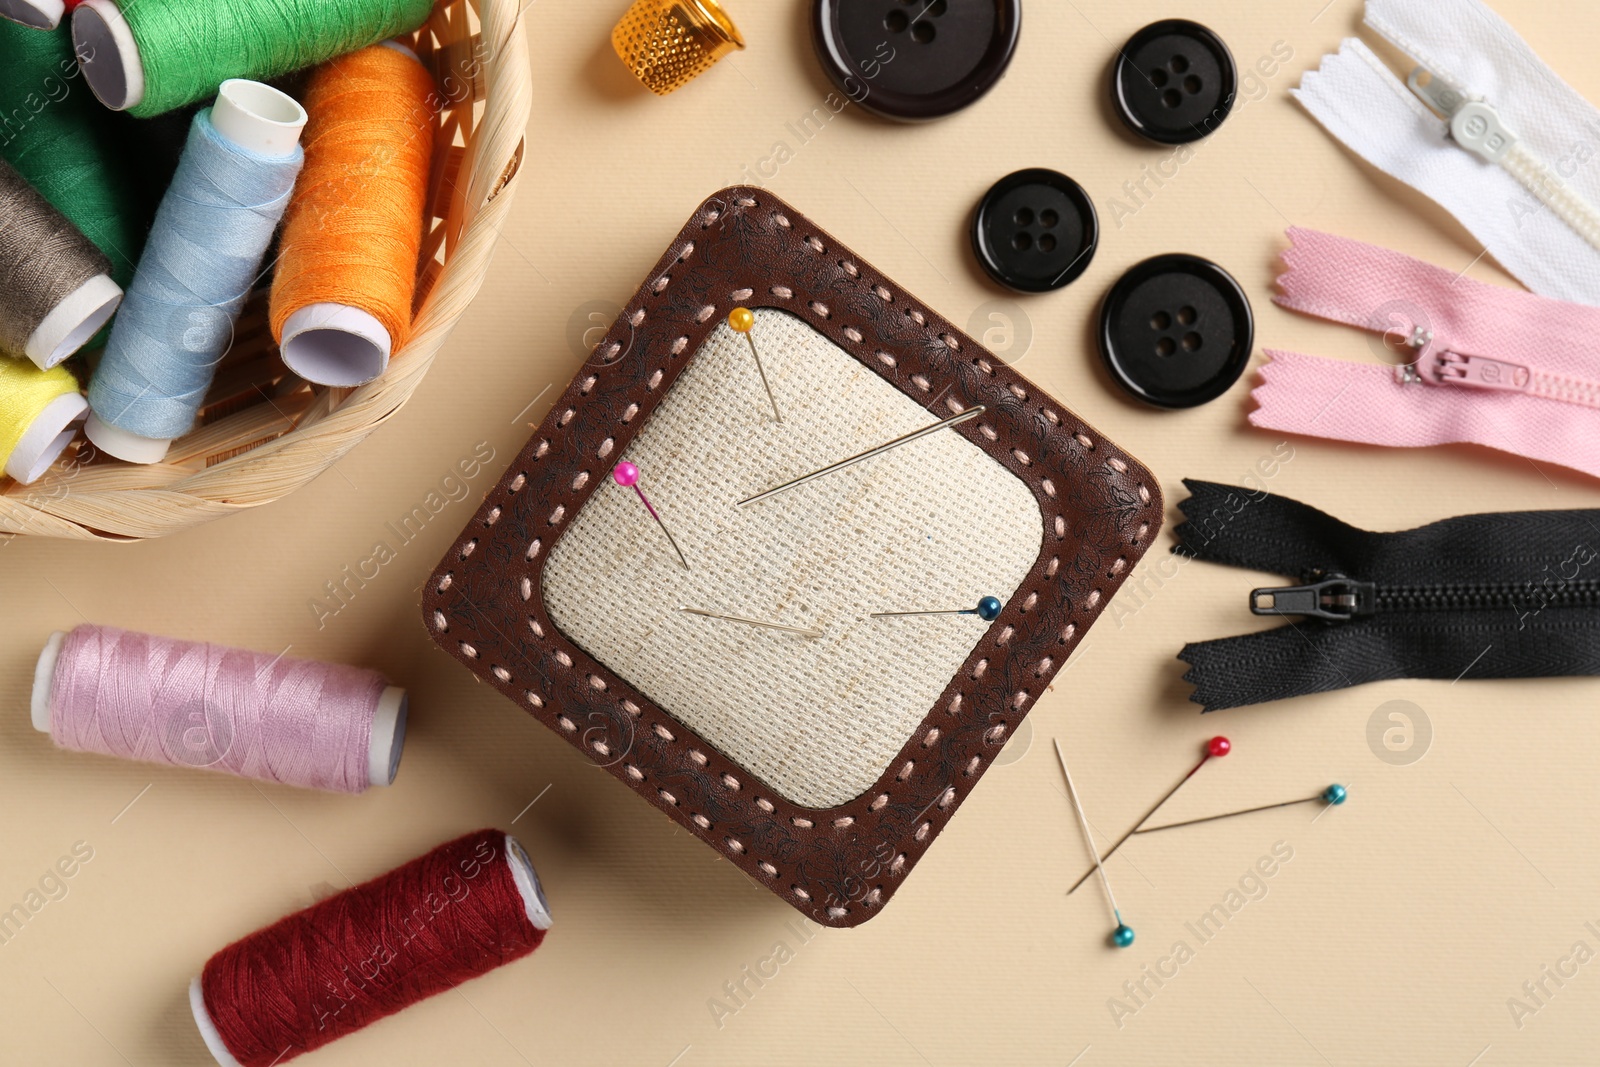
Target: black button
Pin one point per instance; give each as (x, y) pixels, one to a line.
(1174, 82)
(1036, 230)
(915, 60)
(1176, 331)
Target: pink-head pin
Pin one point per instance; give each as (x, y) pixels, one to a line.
(627, 475)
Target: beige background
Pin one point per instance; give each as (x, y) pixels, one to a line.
(1395, 935)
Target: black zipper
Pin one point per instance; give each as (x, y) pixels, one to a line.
(1506, 595)
(1337, 598)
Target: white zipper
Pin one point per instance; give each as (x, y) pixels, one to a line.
(1476, 126)
(1516, 156)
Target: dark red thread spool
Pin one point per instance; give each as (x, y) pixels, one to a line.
(457, 913)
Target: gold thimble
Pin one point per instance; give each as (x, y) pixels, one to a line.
(669, 43)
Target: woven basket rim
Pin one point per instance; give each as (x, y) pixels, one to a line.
(72, 506)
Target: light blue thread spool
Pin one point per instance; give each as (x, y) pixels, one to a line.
(201, 262)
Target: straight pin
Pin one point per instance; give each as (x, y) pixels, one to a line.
(754, 622)
(1122, 936)
(988, 610)
(743, 320)
(1332, 796)
(970, 413)
(626, 474)
(1217, 746)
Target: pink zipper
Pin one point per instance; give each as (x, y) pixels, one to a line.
(1495, 367)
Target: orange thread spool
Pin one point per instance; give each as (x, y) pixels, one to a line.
(342, 296)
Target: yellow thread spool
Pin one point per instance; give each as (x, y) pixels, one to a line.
(669, 43)
(39, 415)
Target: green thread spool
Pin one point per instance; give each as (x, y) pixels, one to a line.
(68, 147)
(151, 56)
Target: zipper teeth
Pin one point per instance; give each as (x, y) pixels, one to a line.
(1548, 188)
(1570, 390)
(1488, 595)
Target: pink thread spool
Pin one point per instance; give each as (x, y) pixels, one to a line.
(188, 704)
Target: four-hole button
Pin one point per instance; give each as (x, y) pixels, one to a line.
(1035, 230)
(1174, 82)
(1176, 331)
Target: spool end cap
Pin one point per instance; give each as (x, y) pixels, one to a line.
(528, 885)
(208, 1029)
(37, 14)
(108, 54)
(128, 447)
(46, 437)
(335, 344)
(71, 323)
(258, 118)
(388, 736)
(44, 681)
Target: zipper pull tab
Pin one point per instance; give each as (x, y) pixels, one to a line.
(1437, 93)
(1453, 368)
(1336, 599)
(1474, 125)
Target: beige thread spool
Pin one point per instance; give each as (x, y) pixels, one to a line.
(669, 43)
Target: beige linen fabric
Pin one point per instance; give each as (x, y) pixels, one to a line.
(934, 524)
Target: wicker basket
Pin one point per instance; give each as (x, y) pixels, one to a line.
(263, 432)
